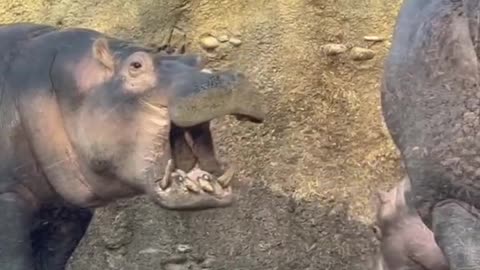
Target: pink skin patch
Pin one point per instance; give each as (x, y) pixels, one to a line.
(406, 243)
(89, 74)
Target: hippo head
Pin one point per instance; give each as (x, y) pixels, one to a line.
(148, 115)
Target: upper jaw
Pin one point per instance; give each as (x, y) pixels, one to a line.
(190, 103)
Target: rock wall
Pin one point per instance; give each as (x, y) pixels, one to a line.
(307, 173)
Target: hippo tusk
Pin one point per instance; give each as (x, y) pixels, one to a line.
(166, 180)
(225, 179)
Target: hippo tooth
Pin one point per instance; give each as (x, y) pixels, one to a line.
(205, 185)
(165, 182)
(153, 107)
(166, 179)
(227, 177)
(192, 186)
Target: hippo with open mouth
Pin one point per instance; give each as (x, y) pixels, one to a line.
(87, 119)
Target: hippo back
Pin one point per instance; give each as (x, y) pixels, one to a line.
(431, 101)
(11, 136)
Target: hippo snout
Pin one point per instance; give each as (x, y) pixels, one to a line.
(208, 95)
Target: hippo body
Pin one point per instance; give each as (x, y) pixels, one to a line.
(86, 119)
(431, 104)
(405, 242)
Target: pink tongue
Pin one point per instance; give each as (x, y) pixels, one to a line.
(195, 173)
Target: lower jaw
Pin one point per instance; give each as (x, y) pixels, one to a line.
(175, 195)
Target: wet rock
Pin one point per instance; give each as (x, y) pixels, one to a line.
(172, 266)
(187, 265)
(116, 262)
(177, 38)
(235, 41)
(184, 248)
(149, 251)
(223, 38)
(119, 234)
(333, 49)
(208, 262)
(373, 38)
(209, 42)
(361, 54)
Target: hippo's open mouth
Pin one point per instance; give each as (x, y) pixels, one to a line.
(192, 178)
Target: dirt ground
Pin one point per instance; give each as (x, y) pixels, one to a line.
(307, 174)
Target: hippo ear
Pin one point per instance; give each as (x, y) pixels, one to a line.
(101, 52)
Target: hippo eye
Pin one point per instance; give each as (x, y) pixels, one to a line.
(206, 177)
(136, 65)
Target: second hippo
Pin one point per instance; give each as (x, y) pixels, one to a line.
(405, 242)
(430, 99)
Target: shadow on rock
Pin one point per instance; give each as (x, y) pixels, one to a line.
(262, 230)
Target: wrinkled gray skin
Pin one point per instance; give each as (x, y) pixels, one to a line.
(431, 106)
(405, 242)
(87, 119)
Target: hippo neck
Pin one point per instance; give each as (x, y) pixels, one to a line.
(84, 187)
(65, 170)
(73, 181)
(95, 189)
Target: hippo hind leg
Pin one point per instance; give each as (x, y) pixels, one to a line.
(58, 234)
(456, 231)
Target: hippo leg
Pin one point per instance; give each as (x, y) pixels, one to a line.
(456, 231)
(55, 240)
(202, 147)
(15, 249)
